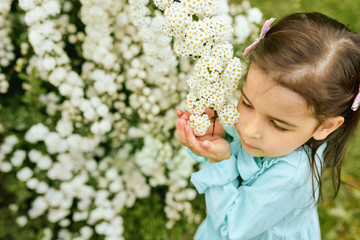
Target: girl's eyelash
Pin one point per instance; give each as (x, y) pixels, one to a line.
(277, 127)
(246, 105)
(273, 123)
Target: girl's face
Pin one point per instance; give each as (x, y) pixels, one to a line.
(274, 120)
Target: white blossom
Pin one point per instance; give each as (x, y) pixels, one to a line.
(21, 221)
(242, 29)
(24, 174)
(36, 133)
(255, 15)
(18, 158)
(80, 163)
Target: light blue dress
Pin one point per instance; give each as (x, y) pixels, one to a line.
(258, 198)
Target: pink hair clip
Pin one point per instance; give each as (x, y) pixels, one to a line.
(356, 102)
(264, 30)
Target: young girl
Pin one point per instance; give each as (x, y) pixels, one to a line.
(298, 110)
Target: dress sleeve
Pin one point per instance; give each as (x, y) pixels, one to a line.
(215, 174)
(247, 211)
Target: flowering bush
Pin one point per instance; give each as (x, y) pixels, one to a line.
(89, 91)
(216, 74)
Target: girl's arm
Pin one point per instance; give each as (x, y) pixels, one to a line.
(247, 211)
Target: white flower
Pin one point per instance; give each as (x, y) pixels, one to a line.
(228, 115)
(89, 114)
(51, 7)
(54, 197)
(74, 79)
(36, 133)
(49, 63)
(201, 8)
(199, 124)
(64, 127)
(34, 155)
(47, 234)
(65, 89)
(255, 15)
(21, 221)
(163, 4)
(64, 223)
(176, 19)
(18, 158)
(5, 167)
(44, 163)
(193, 105)
(4, 84)
(57, 215)
(32, 183)
(57, 76)
(27, 4)
(222, 30)
(101, 228)
(11, 140)
(24, 174)
(86, 232)
(42, 187)
(35, 15)
(54, 143)
(101, 127)
(102, 110)
(242, 28)
(115, 186)
(111, 174)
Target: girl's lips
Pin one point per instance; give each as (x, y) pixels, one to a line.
(247, 145)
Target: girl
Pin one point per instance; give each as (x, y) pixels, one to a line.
(298, 110)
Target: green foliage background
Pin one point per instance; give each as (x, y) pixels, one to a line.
(339, 218)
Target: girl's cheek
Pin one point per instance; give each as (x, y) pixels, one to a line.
(240, 122)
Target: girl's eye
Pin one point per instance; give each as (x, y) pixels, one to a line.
(246, 105)
(278, 127)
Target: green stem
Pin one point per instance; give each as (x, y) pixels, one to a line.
(213, 120)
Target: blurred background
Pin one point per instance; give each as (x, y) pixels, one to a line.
(87, 115)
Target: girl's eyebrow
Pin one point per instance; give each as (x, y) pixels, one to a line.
(276, 119)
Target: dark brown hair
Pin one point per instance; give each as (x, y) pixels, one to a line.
(318, 58)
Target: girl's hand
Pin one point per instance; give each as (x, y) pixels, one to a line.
(214, 147)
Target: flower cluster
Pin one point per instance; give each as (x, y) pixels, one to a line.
(217, 73)
(156, 44)
(105, 81)
(6, 46)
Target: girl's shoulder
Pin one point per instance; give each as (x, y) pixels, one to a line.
(301, 156)
(292, 167)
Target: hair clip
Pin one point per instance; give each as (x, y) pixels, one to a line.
(264, 30)
(356, 102)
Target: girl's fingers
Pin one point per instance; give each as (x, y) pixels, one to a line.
(183, 133)
(206, 144)
(179, 113)
(191, 139)
(180, 131)
(185, 116)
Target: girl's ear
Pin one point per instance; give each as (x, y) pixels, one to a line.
(327, 127)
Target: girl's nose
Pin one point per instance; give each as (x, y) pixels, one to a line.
(253, 128)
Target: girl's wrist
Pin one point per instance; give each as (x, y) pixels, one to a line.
(227, 156)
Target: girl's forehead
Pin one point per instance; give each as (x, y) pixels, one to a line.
(260, 89)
